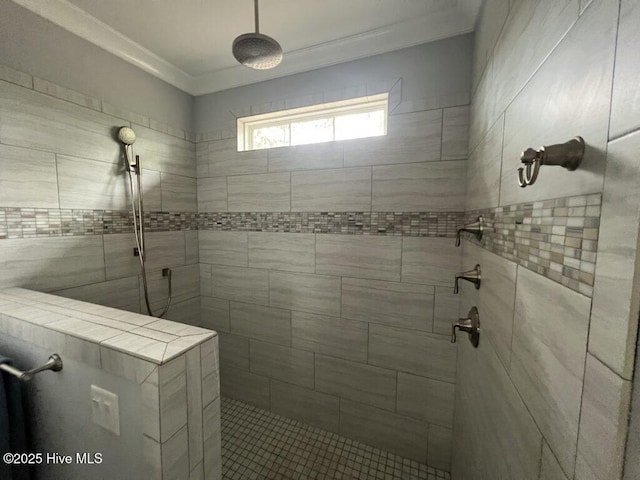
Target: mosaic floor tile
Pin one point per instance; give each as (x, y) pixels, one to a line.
(258, 444)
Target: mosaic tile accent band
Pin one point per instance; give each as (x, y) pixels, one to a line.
(410, 224)
(43, 222)
(51, 222)
(554, 238)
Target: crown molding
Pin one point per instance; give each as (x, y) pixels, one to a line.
(381, 40)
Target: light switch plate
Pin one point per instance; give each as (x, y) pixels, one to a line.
(105, 410)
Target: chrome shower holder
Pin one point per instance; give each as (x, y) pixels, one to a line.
(568, 155)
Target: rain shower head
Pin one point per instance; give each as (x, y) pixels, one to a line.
(255, 50)
(126, 136)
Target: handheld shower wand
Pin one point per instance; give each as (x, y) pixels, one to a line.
(128, 137)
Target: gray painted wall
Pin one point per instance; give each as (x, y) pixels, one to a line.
(433, 75)
(34, 45)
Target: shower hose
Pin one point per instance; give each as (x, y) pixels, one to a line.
(138, 230)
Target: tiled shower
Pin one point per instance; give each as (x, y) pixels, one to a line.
(327, 270)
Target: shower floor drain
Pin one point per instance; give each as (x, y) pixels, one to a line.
(258, 444)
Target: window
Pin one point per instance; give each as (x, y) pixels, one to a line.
(347, 119)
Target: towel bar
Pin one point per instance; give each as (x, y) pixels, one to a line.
(54, 363)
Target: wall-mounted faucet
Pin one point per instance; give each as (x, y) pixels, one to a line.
(472, 276)
(477, 228)
(471, 325)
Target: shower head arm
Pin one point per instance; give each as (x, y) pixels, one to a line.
(257, 16)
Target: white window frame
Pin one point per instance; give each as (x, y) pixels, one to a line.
(247, 125)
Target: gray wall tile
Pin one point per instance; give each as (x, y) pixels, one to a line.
(547, 361)
(25, 112)
(212, 194)
(187, 312)
(202, 160)
(151, 190)
(215, 314)
(550, 468)
(245, 386)
(122, 293)
(8, 74)
(401, 435)
(259, 193)
(411, 351)
(282, 363)
(573, 104)
(359, 256)
(194, 406)
(329, 335)
(175, 455)
(455, 133)
(626, 92)
(339, 190)
(484, 109)
(614, 320)
(178, 193)
(277, 251)
(439, 449)
(445, 310)
(224, 159)
(305, 157)
(483, 170)
(27, 178)
(164, 249)
(356, 381)
(165, 153)
(603, 422)
(488, 406)
(240, 284)
(234, 351)
(314, 408)
(426, 399)
(305, 292)
(172, 382)
(205, 280)
(262, 323)
(397, 304)
(52, 263)
(90, 184)
(497, 297)
(419, 187)
(191, 247)
(492, 18)
(411, 137)
(223, 248)
(516, 59)
(185, 285)
(118, 256)
(431, 261)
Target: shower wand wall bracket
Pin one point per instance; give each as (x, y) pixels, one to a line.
(568, 155)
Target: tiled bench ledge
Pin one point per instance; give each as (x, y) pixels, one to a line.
(170, 369)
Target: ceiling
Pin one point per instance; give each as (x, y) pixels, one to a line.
(187, 43)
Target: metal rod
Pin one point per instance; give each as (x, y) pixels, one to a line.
(54, 363)
(257, 16)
